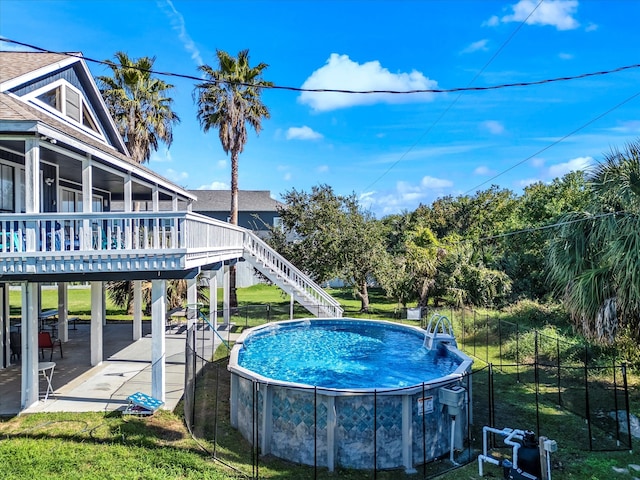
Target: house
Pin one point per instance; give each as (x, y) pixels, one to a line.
(67, 196)
(257, 211)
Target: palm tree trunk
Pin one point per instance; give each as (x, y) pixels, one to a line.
(233, 297)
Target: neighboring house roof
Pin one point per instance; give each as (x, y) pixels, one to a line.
(248, 201)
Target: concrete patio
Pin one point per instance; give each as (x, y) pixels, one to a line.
(126, 369)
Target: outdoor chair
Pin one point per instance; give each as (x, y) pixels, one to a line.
(45, 341)
(16, 345)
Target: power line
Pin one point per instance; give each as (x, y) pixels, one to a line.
(545, 227)
(455, 100)
(332, 90)
(573, 132)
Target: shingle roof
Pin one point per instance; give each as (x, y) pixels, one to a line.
(16, 64)
(13, 109)
(248, 201)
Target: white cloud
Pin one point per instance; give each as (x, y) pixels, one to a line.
(302, 133)
(13, 47)
(561, 169)
(178, 24)
(322, 169)
(537, 162)
(492, 22)
(592, 27)
(161, 157)
(175, 176)
(405, 196)
(483, 170)
(480, 45)
(221, 164)
(493, 126)
(287, 176)
(340, 72)
(215, 185)
(435, 183)
(631, 126)
(565, 56)
(525, 182)
(556, 13)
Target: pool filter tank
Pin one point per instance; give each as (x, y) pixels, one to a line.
(528, 458)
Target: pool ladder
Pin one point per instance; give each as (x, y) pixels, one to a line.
(439, 330)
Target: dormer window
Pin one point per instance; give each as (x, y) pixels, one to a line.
(63, 98)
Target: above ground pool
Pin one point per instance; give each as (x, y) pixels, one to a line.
(350, 393)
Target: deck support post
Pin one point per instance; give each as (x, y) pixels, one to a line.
(226, 295)
(192, 301)
(30, 386)
(158, 352)
(137, 310)
(97, 312)
(63, 306)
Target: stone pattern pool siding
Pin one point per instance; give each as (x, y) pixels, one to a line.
(297, 431)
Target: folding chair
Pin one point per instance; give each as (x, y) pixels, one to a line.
(45, 341)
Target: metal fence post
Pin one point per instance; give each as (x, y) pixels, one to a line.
(626, 403)
(517, 352)
(536, 376)
(586, 395)
(615, 401)
(558, 362)
(375, 434)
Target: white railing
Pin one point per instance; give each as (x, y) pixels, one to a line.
(291, 275)
(114, 231)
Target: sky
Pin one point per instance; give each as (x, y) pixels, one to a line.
(393, 151)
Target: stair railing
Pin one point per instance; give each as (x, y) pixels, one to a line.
(290, 275)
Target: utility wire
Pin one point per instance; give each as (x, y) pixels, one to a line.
(446, 110)
(573, 132)
(332, 90)
(543, 227)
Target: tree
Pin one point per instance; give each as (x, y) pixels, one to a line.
(228, 100)
(594, 259)
(139, 105)
(329, 236)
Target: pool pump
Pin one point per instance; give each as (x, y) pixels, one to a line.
(530, 459)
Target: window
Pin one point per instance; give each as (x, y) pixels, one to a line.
(53, 98)
(72, 201)
(6, 188)
(277, 223)
(63, 98)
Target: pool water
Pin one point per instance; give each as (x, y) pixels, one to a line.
(344, 355)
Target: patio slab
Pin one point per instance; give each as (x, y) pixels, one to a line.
(78, 387)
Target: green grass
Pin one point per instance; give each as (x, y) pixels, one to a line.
(97, 445)
(102, 446)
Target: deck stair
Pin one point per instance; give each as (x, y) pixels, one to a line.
(285, 275)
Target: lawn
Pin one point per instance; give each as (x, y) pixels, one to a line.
(107, 445)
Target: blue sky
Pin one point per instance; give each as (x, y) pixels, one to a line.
(393, 151)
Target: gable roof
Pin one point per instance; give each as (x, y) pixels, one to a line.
(248, 201)
(22, 72)
(19, 116)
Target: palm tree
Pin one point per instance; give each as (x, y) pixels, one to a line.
(594, 260)
(139, 104)
(141, 109)
(229, 99)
